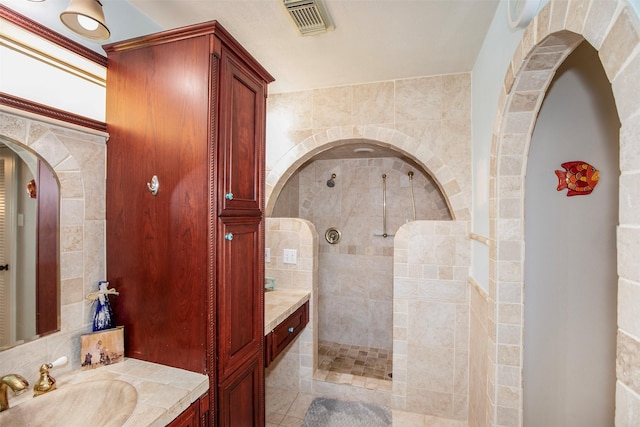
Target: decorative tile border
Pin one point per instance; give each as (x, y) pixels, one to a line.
(612, 28)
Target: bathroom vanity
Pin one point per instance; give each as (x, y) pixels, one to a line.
(286, 315)
(158, 394)
(185, 207)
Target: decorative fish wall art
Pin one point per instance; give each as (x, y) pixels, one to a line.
(579, 177)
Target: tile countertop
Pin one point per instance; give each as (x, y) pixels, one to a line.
(163, 392)
(279, 304)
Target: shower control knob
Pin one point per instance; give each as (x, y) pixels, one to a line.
(228, 236)
(228, 196)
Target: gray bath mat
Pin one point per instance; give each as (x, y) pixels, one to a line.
(325, 412)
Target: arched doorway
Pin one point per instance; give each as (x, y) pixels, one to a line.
(612, 28)
(570, 266)
(365, 190)
(431, 255)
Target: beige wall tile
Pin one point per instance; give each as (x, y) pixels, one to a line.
(332, 107)
(373, 103)
(628, 303)
(419, 99)
(629, 148)
(598, 20)
(627, 407)
(456, 96)
(628, 361)
(619, 44)
(628, 248)
(576, 15)
(430, 402)
(626, 91)
(629, 210)
(558, 15)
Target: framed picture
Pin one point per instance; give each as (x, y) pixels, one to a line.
(102, 348)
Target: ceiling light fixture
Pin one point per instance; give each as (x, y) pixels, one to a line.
(363, 150)
(86, 18)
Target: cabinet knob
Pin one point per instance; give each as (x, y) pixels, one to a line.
(228, 196)
(290, 330)
(228, 236)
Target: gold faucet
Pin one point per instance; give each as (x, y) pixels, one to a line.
(17, 384)
(46, 382)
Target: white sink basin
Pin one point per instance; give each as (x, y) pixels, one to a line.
(91, 403)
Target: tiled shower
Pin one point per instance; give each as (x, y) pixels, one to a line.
(355, 298)
(425, 119)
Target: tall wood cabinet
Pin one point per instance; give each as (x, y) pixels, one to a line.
(187, 106)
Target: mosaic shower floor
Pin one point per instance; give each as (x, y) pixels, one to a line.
(344, 363)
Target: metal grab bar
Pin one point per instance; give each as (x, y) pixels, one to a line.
(384, 205)
(413, 200)
(384, 208)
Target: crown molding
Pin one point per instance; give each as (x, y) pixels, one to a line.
(32, 26)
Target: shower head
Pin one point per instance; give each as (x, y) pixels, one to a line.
(330, 181)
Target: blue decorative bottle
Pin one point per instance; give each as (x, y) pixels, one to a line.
(103, 317)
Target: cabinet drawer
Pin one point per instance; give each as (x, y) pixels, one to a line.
(285, 332)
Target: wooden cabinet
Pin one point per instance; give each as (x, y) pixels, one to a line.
(283, 334)
(241, 396)
(196, 415)
(240, 293)
(188, 106)
(241, 154)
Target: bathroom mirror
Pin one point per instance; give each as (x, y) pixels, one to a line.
(29, 236)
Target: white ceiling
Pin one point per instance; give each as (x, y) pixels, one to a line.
(373, 40)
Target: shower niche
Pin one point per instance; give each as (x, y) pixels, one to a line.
(342, 189)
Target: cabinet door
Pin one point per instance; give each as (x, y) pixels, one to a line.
(189, 418)
(240, 292)
(157, 245)
(242, 396)
(242, 138)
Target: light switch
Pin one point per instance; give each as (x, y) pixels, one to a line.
(290, 256)
(267, 254)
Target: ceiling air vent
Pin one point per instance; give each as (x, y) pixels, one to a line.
(310, 16)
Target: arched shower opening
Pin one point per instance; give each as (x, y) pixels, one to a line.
(357, 194)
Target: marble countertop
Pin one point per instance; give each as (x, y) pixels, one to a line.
(279, 304)
(163, 392)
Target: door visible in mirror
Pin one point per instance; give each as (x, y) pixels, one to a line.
(29, 236)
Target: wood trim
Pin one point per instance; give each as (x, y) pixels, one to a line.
(214, 67)
(50, 35)
(205, 28)
(54, 113)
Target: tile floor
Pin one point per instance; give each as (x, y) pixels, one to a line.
(286, 408)
(368, 362)
(350, 365)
